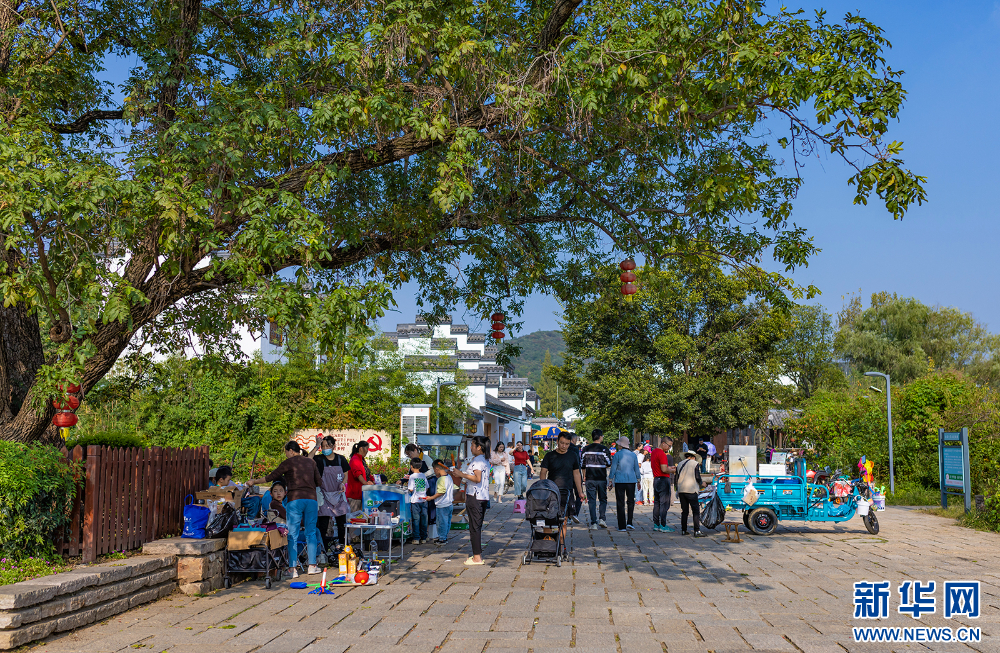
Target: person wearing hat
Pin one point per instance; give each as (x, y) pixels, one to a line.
(688, 483)
(625, 473)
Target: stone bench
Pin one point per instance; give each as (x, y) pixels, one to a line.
(199, 562)
(34, 609)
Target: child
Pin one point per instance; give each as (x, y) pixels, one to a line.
(443, 500)
(274, 501)
(417, 497)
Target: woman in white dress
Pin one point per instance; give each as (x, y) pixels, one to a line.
(500, 468)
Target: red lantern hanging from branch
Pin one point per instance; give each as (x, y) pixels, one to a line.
(72, 403)
(497, 326)
(628, 278)
(65, 419)
(69, 387)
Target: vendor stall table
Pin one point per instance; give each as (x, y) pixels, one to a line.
(382, 536)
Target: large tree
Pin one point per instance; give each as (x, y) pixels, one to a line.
(806, 351)
(693, 351)
(483, 148)
(906, 339)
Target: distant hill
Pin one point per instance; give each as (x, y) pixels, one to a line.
(533, 347)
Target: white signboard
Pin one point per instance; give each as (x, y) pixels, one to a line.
(379, 442)
(742, 460)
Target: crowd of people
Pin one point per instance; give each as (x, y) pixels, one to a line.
(650, 472)
(314, 492)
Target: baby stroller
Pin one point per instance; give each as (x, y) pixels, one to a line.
(545, 518)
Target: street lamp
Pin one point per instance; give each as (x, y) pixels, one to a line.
(888, 411)
(441, 383)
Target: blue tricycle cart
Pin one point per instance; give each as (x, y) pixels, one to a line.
(827, 498)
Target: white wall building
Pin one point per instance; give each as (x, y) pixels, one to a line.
(501, 405)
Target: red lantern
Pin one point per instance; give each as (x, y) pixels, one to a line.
(628, 289)
(496, 317)
(71, 388)
(72, 403)
(65, 419)
(498, 326)
(628, 265)
(627, 277)
(497, 335)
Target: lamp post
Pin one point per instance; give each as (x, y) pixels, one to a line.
(888, 412)
(439, 384)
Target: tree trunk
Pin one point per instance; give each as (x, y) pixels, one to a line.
(21, 356)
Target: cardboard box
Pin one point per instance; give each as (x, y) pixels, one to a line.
(232, 496)
(242, 540)
(276, 540)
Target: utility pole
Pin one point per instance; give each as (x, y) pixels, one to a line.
(888, 412)
(439, 384)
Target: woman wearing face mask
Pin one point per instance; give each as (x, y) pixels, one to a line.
(333, 469)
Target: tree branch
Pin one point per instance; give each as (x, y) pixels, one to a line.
(553, 26)
(81, 124)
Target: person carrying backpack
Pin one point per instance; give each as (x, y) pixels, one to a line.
(688, 483)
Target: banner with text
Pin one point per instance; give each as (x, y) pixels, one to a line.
(379, 441)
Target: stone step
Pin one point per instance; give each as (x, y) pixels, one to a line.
(57, 624)
(11, 619)
(39, 590)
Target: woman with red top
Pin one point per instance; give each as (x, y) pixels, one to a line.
(522, 463)
(358, 475)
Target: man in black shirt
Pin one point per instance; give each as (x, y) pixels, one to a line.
(702, 450)
(596, 461)
(562, 466)
(576, 500)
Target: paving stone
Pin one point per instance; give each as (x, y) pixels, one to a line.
(791, 591)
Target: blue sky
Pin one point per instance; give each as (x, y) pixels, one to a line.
(941, 253)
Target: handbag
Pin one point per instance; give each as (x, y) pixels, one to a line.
(195, 519)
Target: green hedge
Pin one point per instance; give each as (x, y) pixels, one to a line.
(37, 486)
(113, 439)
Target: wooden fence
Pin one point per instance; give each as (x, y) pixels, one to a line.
(131, 496)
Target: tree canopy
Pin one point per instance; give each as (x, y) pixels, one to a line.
(906, 339)
(806, 351)
(298, 160)
(692, 352)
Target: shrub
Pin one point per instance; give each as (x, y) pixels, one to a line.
(115, 439)
(392, 469)
(15, 571)
(37, 486)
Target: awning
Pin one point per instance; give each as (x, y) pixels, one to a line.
(550, 433)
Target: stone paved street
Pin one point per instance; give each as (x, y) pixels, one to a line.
(628, 592)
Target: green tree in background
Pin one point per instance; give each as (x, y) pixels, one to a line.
(907, 339)
(695, 350)
(297, 162)
(806, 351)
(549, 389)
(254, 406)
(842, 425)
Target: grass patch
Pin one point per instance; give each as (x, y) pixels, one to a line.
(912, 494)
(15, 571)
(973, 519)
